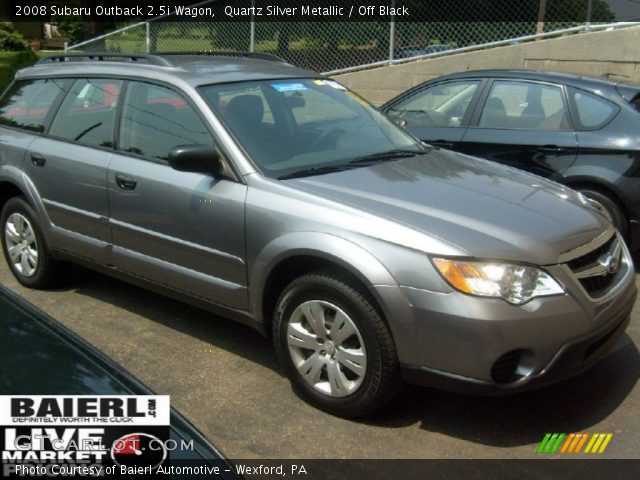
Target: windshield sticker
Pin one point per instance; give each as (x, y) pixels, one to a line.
(334, 84)
(288, 87)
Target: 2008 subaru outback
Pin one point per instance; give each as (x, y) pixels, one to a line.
(281, 199)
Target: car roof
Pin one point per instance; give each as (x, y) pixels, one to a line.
(195, 69)
(549, 76)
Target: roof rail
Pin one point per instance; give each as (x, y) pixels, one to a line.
(106, 57)
(257, 55)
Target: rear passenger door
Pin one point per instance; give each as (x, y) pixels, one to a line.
(69, 167)
(178, 229)
(525, 125)
(25, 110)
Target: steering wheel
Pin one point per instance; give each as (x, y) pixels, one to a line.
(324, 136)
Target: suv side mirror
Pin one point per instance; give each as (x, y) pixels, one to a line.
(195, 158)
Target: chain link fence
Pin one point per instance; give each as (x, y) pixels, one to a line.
(338, 46)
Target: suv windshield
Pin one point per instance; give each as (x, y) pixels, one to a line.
(306, 126)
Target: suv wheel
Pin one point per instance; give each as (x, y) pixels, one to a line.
(334, 345)
(24, 247)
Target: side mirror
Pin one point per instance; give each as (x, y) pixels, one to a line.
(195, 158)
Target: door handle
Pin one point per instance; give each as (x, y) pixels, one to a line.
(551, 149)
(38, 160)
(442, 144)
(125, 183)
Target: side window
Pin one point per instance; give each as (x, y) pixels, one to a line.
(524, 105)
(88, 113)
(156, 119)
(592, 112)
(27, 103)
(443, 105)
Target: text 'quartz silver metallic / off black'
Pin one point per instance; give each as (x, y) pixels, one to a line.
(276, 197)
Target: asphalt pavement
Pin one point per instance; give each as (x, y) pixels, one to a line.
(224, 378)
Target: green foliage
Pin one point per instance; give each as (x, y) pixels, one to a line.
(10, 63)
(73, 28)
(576, 10)
(10, 39)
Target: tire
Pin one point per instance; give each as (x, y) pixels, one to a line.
(618, 218)
(349, 361)
(32, 265)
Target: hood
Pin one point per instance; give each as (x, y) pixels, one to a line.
(484, 209)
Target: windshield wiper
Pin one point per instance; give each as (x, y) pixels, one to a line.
(307, 172)
(388, 155)
(373, 158)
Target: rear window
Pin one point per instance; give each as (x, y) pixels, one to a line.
(88, 113)
(636, 102)
(592, 112)
(27, 103)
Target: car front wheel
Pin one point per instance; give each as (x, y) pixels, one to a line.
(334, 345)
(24, 247)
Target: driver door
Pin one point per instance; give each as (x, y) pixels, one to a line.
(178, 229)
(438, 114)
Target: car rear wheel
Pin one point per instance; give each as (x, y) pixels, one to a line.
(335, 346)
(24, 247)
(609, 206)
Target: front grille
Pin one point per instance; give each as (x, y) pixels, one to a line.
(597, 286)
(594, 270)
(591, 257)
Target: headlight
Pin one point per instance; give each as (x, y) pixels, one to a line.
(517, 284)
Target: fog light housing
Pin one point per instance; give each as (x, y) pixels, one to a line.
(512, 366)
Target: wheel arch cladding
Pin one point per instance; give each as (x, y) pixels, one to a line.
(9, 190)
(296, 254)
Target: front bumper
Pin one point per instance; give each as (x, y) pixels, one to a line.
(571, 360)
(455, 341)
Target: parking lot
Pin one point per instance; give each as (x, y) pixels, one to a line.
(224, 378)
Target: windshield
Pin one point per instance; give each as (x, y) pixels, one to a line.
(304, 125)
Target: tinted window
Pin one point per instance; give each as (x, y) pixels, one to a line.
(442, 105)
(523, 105)
(225, 97)
(88, 113)
(27, 103)
(592, 111)
(316, 107)
(297, 125)
(156, 119)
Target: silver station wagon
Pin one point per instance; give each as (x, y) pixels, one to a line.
(277, 197)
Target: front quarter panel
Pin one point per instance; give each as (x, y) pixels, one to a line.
(281, 226)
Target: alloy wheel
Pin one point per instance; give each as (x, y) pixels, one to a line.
(327, 348)
(20, 240)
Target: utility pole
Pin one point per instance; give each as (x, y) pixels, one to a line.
(542, 10)
(589, 13)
